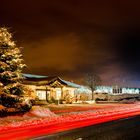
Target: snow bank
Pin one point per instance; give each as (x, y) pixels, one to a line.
(38, 111)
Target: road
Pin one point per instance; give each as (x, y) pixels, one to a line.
(123, 129)
(108, 126)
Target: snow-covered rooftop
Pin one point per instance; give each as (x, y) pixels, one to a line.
(34, 76)
(41, 76)
(71, 84)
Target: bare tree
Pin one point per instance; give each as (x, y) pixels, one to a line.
(92, 81)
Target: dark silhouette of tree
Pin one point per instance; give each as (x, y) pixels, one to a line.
(92, 81)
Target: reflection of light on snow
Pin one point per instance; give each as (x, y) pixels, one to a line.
(83, 89)
(137, 91)
(103, 89)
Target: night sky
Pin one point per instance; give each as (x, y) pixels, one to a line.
(70, 38)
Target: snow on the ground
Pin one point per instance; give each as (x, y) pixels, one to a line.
(34, 116)
(39, 115)
(40, 112)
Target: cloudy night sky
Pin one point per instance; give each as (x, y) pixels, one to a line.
(70, 38)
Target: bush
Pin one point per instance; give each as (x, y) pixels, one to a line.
(99, 99)
(25, 107)
(68, 98)
(22, 104)
(52, 100)
(126, 101)
(8, 100)
(62, 101)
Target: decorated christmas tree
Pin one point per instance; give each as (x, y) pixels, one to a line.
(11, 65)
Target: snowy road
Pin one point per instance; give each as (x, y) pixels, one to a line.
(71, 122)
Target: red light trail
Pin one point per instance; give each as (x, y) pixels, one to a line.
(69, 121)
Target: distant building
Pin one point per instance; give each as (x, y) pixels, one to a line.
(117, 90)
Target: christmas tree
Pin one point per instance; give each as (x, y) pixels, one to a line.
(11, 65)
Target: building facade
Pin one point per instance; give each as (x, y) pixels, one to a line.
(48, 87)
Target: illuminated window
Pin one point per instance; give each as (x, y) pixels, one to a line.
(41, 94)
(58, 94)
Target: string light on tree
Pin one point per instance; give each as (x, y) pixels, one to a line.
(11, 65)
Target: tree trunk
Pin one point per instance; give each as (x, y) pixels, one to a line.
(92, 95)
